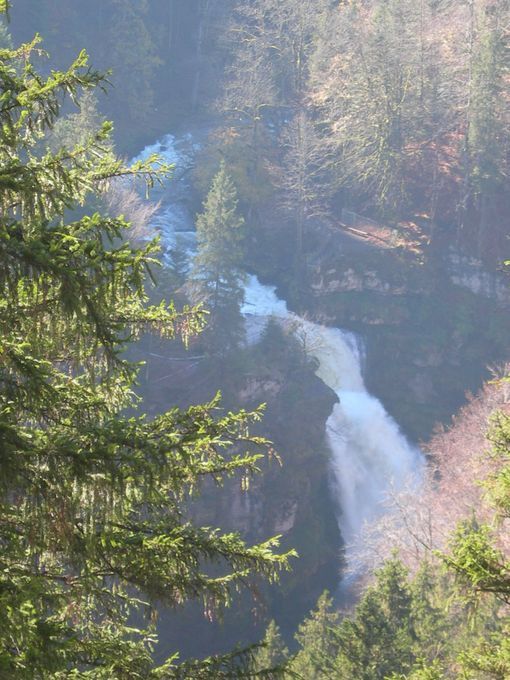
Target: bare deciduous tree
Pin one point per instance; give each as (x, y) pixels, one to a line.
(421, 520)
(122, 198)
(302, 176)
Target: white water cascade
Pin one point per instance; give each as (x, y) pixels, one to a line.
(369, 455)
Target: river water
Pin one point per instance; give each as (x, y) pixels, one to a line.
(369, 454)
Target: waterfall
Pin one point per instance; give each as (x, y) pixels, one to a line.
(369, 454)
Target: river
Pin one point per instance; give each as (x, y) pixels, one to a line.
(369, 454)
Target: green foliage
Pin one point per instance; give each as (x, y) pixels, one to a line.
(5, 37)
(482, 568)
(489, 659)
(486, 119)
(134, 58)
(76, 128)
(215, 279)
(450, 620)
(378, 639)
(427, 671)
(480, 564)
(430, 623)
(317, 641)
(405, 629)
(273, 651)
(477, 561)
(246, 165)
(498, 485)
(93, 520)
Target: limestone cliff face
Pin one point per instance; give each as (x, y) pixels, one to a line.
(470, 273)
(349, 280)
(283, 499)
(342, 264)
(291, 496)
(431, 326)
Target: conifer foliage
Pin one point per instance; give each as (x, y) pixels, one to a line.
(93, 524)
(216, 275)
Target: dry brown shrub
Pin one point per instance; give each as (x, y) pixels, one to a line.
(122, 198)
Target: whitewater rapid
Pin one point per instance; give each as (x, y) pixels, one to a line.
(369, 454)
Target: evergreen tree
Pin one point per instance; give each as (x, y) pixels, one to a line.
(93, 521)
(427, 612)
(76, 128)
(441, 623)
(487, 120)
(133, 58)
(216, 277)
(316, 638)
(273, 652)
(433, 671)
(377, 640)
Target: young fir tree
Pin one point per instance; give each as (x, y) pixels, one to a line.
(76, 128)
(216, 278)
(93, 525)
(273, 652)
(430, 622)
(317, 642)
(378, 639)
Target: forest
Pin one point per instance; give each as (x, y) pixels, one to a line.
(254, 356)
